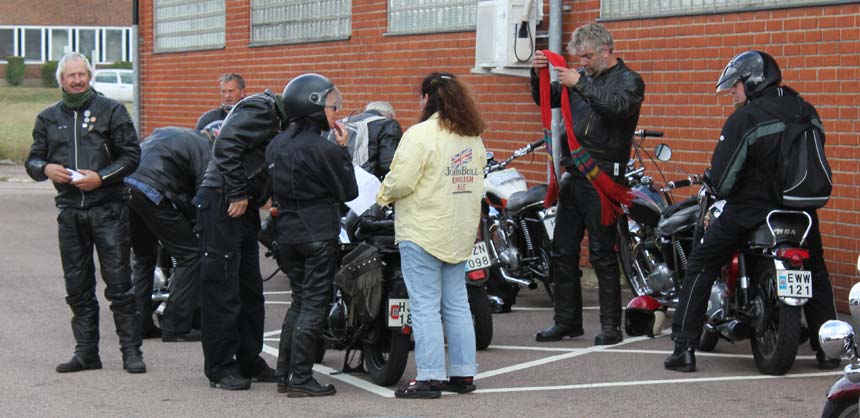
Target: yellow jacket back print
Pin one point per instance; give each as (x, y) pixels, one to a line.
(437, 182)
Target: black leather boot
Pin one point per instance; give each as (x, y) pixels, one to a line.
(609, 335)
(558, 331)
(309, 388)
(683, 359)
(79, 363)
(132, 361)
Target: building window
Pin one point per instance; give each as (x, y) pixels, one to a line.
(296, 21)
(7, 43)
(634, 9)
(113, 45)
(33, 45)
(87, 43)
(188, 25)
(61, 43)
(425, 16)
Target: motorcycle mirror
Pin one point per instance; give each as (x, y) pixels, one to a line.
(836, 338)
(490, 155)
(854, 301)
(663, 152)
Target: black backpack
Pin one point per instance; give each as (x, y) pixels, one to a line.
(803, 178)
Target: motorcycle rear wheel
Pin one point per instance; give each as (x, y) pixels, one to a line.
(385, 358)
(846, 408)
(481, 316)
(775, 342)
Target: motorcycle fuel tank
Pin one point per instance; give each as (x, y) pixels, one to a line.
(647, 206)
(500, 185)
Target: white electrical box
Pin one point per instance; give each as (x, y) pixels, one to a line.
(505, 36)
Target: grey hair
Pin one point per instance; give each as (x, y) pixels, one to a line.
(233, 76)
(69, 57)
(592, 35)
(384, 108)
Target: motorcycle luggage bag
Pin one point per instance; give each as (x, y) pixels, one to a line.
(360, 281)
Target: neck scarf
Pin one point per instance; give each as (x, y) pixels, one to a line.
(76, 100)
(611, 193)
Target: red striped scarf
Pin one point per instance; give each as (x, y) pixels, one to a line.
(611, 193)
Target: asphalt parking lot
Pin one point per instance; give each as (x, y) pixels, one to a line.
(517, 376)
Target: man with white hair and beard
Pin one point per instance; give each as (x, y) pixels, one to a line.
(86, 144)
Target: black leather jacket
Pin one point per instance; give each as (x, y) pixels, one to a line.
(744, 163)
(383, 137)
(605, 112)
(172, 161)
(312, 177)
(238, 161)
(98, 136)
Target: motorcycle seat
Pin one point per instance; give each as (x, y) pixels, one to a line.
(676, 207)
(788, 227)
(522, 200)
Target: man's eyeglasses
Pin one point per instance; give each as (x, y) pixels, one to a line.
(333, 107)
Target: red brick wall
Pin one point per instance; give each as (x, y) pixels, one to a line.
(66, 13)
(679, 58)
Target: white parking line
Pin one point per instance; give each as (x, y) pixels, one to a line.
(343, 377)
(551, 359)
(698, 353)
(278, 302)
(527, 348)
(278, 292)
(655, 382)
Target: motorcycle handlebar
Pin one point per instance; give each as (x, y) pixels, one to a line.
(537, 143)
(644, 132)
(496, 166)
(689, 181)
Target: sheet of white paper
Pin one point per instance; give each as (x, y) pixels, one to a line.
(368, 187)
(75, 175)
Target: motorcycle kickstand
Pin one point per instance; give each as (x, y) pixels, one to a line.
(346, 368)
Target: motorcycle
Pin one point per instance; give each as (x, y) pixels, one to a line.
(517, 229)
(760, 293)
(837, 339)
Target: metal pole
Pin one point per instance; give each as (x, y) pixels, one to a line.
(135, 57)
(555, 41)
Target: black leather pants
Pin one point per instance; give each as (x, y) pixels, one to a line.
(151, 222)
(310, 267)
(231, 288)
(578, 212)
(104, 227)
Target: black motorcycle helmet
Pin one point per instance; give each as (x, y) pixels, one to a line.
(307, 96)
(756, 69)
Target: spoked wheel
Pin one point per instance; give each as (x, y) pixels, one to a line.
(634, 269)
(777, 326)
(546, 267)
(385, 359)
(481, 316)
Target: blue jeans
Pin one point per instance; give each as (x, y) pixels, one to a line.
(437, 297)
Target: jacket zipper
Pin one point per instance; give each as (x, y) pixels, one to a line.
(588, 124)
(75, 136)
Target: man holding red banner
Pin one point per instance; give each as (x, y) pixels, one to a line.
(600, 102)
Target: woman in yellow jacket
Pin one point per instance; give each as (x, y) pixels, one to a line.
(436, 181)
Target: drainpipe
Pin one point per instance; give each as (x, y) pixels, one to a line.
(555, 42)
(135, 66)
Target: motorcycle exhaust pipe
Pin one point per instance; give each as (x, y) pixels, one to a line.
(734, 330)
(516, 280)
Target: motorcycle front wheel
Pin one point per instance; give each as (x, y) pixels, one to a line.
(481, 316)
(628, 260)
(846, 408)
(385, 358)
(777, 328)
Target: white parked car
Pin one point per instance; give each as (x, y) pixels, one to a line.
(114, 83)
